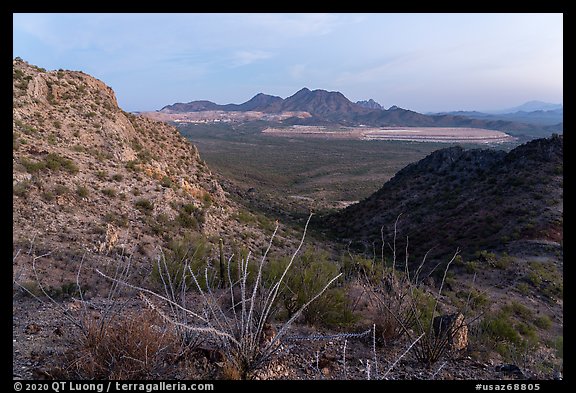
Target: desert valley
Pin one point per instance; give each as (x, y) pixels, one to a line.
(307, 237)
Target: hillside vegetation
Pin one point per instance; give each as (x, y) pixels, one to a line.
(473, 199)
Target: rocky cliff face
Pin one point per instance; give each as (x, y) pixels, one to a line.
(89, 176)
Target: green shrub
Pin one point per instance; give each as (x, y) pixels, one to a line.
(144, 156)
(48, 195)
(499, 327)
(357, 266)
(504, 261)
(523, 288)
(32, 166)
(82, 191)
(187, 220)
(478, 300)
(118, 219)
(543, 322)
(559, 346)
(52, 161)
(518, 310)
(192, 249)
(117, 177)
(109, 192)
(307, 276)
(207, 199)
(25, 128)
(244, 217)
(144, 205)
(166, 182)
(546, 278)
(21, 189)
(189, 216)
(60, 189)
(132, 166)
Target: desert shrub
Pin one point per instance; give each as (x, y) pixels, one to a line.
(166, 182)
(32, 166)
(133, 346)
(358, 266)
(82, 191)
(15, 140)
(191, 250)
(499, 327)
(546, 278)
(478, 300)
(60, 189)
(30, 288)
(187, 215)
(559, 346)
(307, 276)
(118, 219)
(486, 257)
(144, 156)
(504, 261)
(132, 165)
(52, 161)
(523, 288)
(48, 195)
(117, 177)
(22, 188)
(238, 328)
(25, 128)
(244, 217)
(517, 309)
(207, 199)
(109, 192)
(543, 322)
(144, 205)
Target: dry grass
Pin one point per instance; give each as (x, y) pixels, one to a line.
(130, 347)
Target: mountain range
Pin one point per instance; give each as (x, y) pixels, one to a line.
(330, 107)
(532, 112)
(530, 106)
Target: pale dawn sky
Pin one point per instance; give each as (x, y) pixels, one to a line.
(422, 62)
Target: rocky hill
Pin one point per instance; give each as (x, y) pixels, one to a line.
(469, 199)
(89, 177)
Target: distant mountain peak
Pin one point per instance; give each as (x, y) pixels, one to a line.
(370, 104)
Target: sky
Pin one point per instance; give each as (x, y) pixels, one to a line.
(422, 62)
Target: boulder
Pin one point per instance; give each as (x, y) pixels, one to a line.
(454, 326)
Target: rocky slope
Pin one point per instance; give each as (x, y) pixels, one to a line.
(471, 199)
(89, 177)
